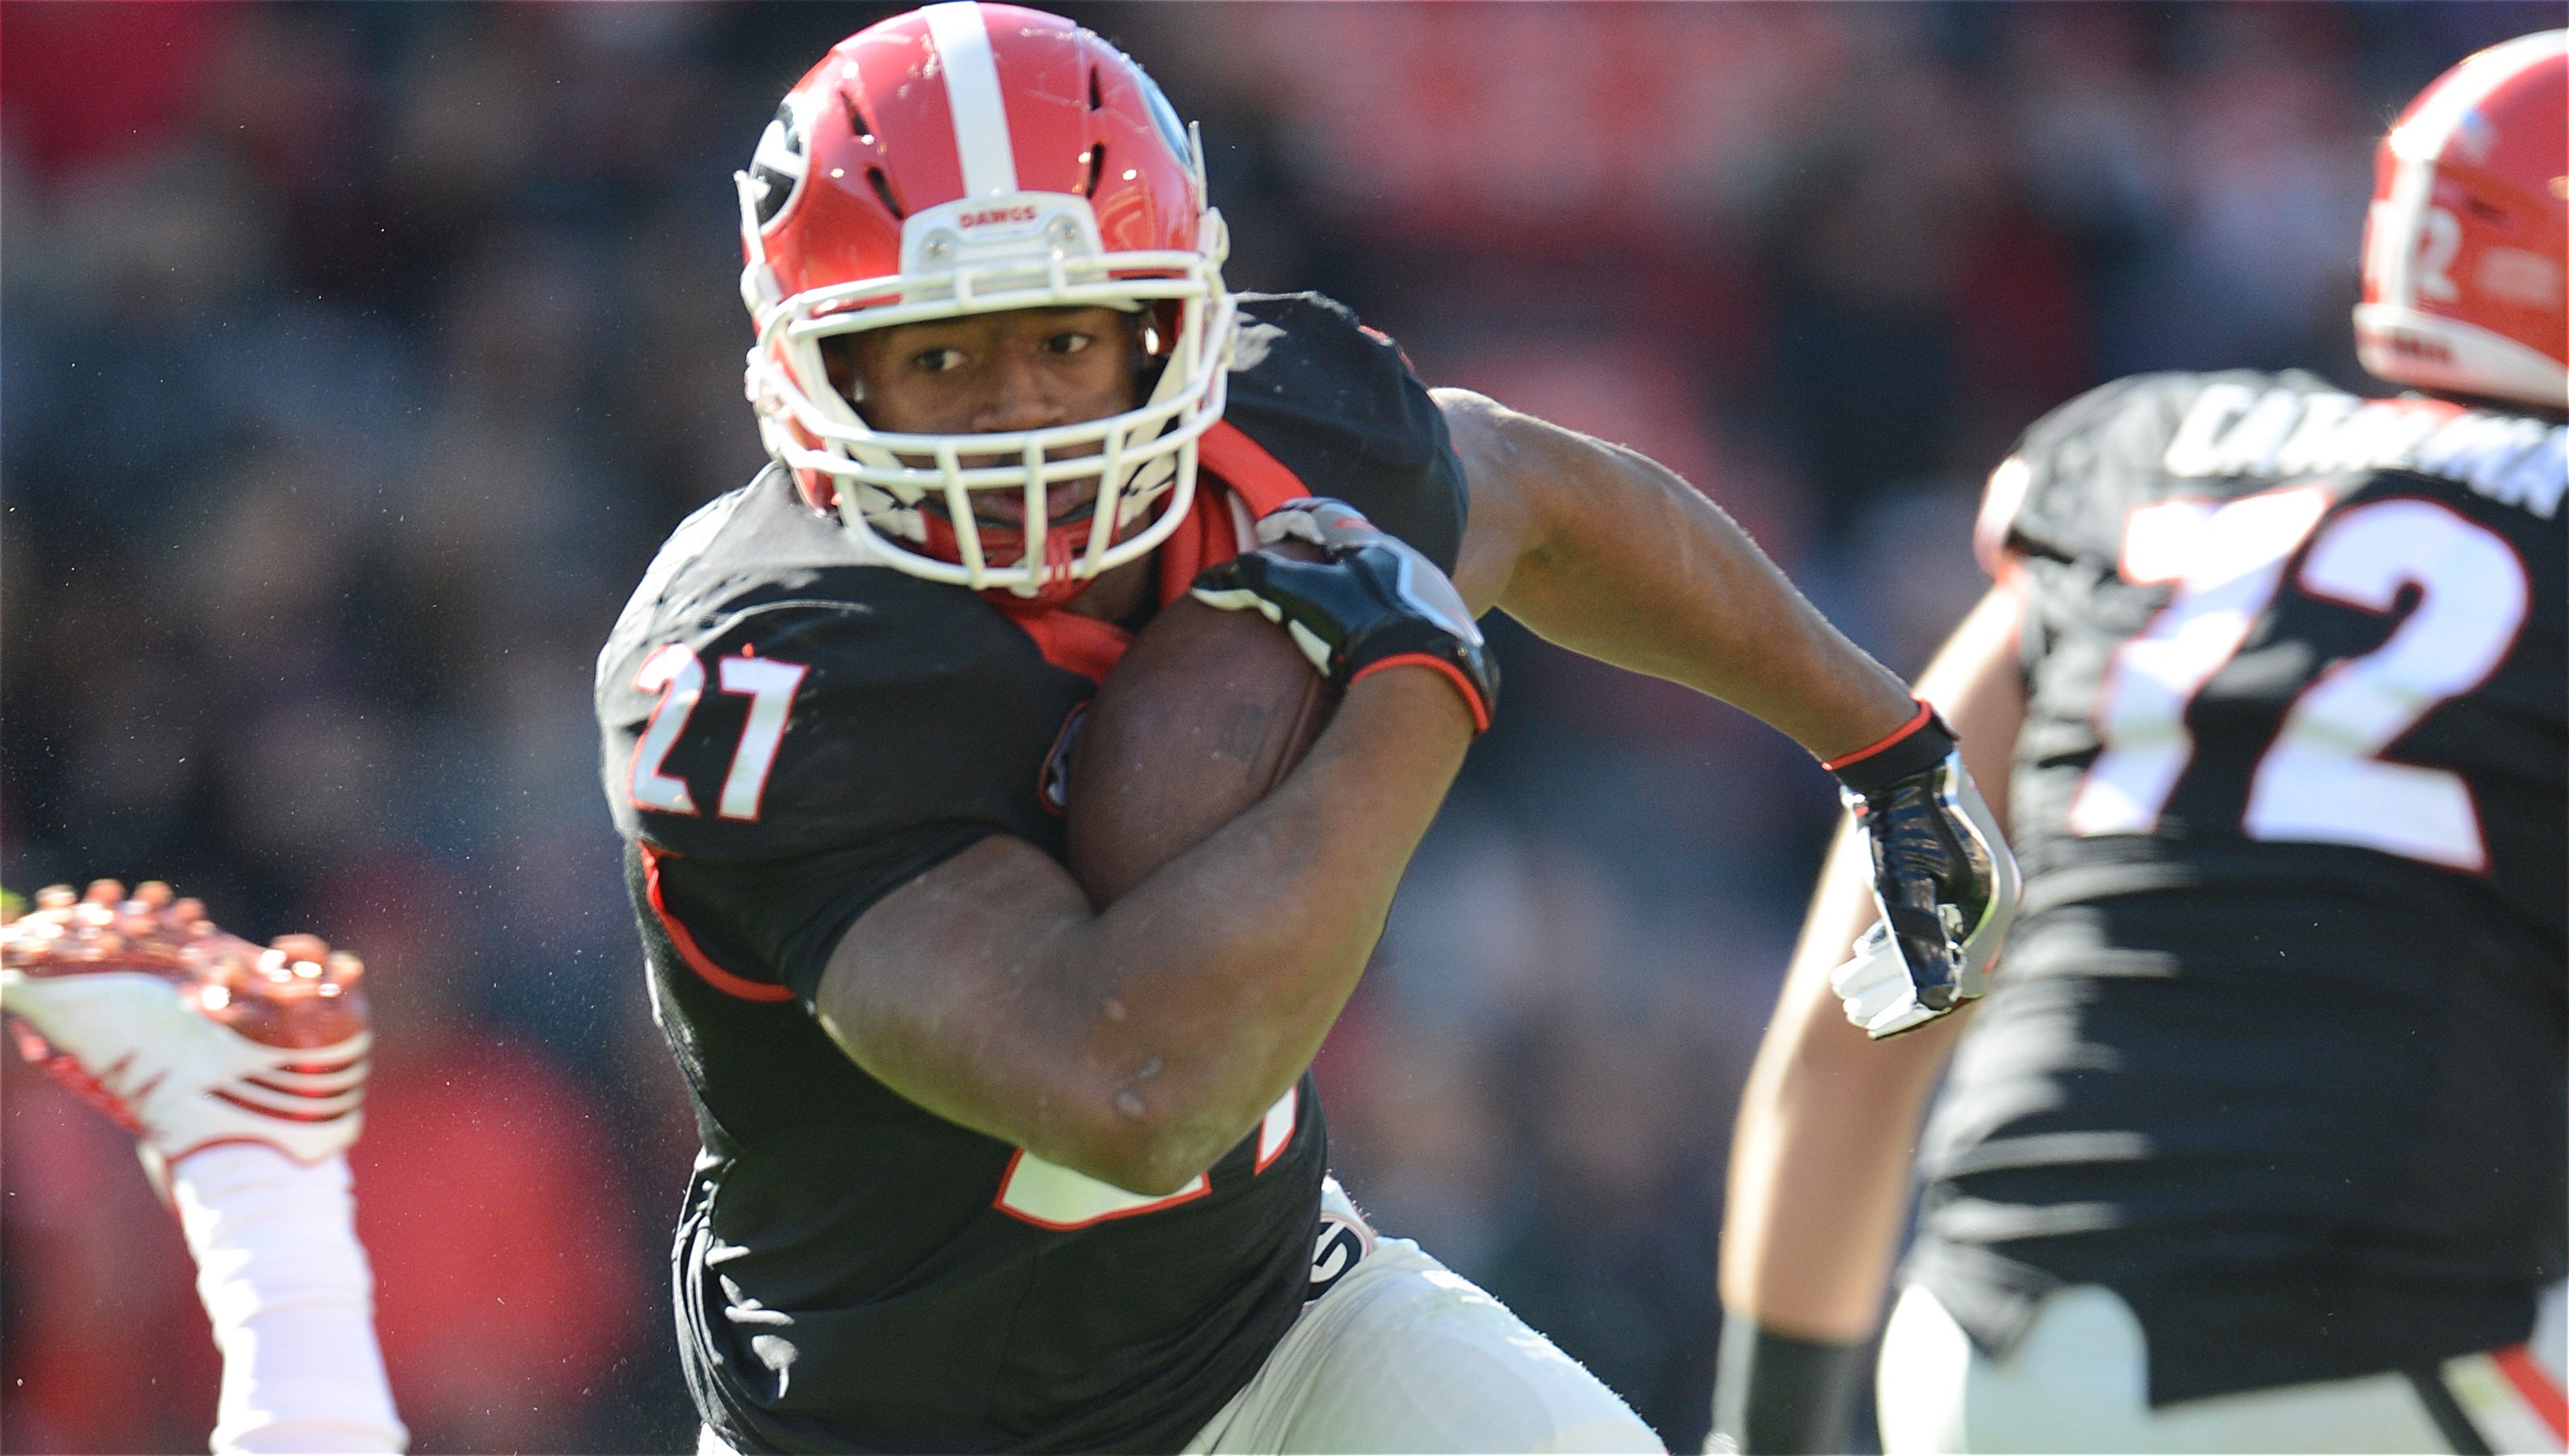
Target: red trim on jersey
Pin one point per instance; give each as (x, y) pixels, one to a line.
(2534, 1383)
(1917, 721)
(1090, 647)
(1207, 535)
(689, 951)
(1070, 641)
(1462, 684)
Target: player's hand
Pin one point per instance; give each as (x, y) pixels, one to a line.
(1372, 602)
(1943, 879)
(184, 1034)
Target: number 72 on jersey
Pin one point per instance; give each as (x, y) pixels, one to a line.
(2324, 778)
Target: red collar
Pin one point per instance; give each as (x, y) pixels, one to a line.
(1233, 468)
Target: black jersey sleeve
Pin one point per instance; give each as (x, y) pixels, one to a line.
(1337, 404)
(783, 918)
(790, 745)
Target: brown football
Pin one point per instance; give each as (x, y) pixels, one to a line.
(1207, 712)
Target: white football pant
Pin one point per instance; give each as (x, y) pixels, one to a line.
(2078, 1380)
(1403, 1355)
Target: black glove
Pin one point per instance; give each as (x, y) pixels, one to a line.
(1774, 1395)
(1942, 874)
(1370, 603)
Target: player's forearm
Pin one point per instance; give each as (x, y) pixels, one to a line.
(1139, 1044)
(1235, 959)
(1611, 554)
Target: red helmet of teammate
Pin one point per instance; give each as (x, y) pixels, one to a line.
(2463, 253)
(968, 159)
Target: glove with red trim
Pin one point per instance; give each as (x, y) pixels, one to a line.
(1943, 879)
(187, 1035)
(1372, 602)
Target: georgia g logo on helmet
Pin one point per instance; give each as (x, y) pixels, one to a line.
(969, 159)
(778, 166)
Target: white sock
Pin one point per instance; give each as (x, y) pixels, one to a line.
(292, 1300)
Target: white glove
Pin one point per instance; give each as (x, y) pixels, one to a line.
(1879, 992)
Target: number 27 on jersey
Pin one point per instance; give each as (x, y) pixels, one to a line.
(677, 674)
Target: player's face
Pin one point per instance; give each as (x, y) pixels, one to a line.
(1027, 369)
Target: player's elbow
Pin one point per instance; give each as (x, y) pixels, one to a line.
(1141, 1149)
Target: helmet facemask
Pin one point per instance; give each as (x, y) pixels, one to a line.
(910, 496)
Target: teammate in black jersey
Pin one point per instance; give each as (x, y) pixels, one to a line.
(987, 1167)
(2259, 1144)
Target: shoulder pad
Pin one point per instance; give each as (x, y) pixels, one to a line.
(2088, 464)
(1337, 404)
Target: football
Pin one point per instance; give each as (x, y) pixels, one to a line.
(1207, 712)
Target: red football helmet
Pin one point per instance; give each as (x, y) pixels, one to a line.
(968, 159)
(2463, 253)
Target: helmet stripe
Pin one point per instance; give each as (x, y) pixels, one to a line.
(981, 141)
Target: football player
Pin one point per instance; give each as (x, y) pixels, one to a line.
(986, 1166)
(2259, 1144)
(242, 1072)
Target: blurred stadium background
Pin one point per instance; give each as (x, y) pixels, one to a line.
(356, 358)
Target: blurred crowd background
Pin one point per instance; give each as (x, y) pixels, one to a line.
(356, 358)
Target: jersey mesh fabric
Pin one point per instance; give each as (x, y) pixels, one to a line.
(2294, 1095)
(846, 1276)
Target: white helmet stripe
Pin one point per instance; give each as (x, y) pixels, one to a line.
(981, 141)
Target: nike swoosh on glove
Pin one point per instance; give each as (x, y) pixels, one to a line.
(1944, 879)
(1370, 603)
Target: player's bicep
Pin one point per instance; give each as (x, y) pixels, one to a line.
(939, 989)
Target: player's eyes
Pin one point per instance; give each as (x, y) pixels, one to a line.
(937, 361)
(1068, 343)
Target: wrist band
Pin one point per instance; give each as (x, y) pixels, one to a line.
(1773, 1394)
(1916, 746)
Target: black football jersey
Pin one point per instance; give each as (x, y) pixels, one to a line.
(793, 729)
(2275, 1049)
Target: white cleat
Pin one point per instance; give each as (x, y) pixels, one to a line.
(187, 1035)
